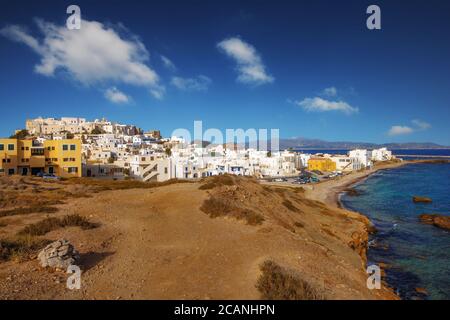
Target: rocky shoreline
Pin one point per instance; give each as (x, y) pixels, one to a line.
(347, 187)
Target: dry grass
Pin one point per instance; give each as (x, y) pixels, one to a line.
(217, 207)
(103, 185)
(290, 206)
(49, 224)
(298, 224)
(217, 181)
(330, 233)
(21, 248)
(35, 208)
(277, 283)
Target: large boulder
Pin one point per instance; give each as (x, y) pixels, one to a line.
(417, 199)
(437, 220)
(59, 255)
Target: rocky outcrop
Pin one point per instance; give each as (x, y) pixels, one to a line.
(437, 220)
(352, 192)
(359, 243)
(418, 199)
(58, 255)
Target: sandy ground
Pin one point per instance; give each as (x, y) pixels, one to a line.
(328, 191)
(157, 244)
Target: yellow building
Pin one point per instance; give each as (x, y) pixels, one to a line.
(59, 157)
(321, 164)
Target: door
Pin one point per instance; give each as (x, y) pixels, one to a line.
(51, 170)
(24, 171)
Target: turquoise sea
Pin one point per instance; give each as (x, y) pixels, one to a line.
(418, 255)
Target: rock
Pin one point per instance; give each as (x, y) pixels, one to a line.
(352, 192)
(437, 220)
(359, 244)
(59, 255)
(417, 199)
(421, 290)
(371, 229)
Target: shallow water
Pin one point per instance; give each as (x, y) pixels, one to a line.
(418, 254)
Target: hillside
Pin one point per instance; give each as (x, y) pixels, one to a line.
(222, 238)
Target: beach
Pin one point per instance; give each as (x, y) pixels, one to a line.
(412, 269)
(328, 191)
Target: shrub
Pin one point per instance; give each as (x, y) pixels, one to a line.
(27, 210)
(49, 224)
(216, 207)
(288, 204)
(277, 283)
(217, 181)
(21, 247)
(299, 224)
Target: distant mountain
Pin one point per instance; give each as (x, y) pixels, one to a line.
(304, 143)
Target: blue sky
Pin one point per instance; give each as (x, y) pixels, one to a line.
(310, 68)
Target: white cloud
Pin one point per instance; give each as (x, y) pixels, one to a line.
(400, 130)
(318, 104)
(116, 96)
(418, 125)
(421, 125)
(249, 63)
(168, 63)
(92, 55)
(200, 83)
(331, 92)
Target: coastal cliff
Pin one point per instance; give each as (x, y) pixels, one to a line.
(205, 240)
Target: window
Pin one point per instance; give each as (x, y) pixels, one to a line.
(165, 170)
(27, 148)
(72, 147)
(53, 148)
(2, 147)
(10, 171)
(2, 170)
(65, 147)
(48, 148)
(37, 151)
(54, 159)
(66, 159)
(10, 147)
(23, 148)
(73, 169)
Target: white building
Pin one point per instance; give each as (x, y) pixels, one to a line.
(363, 157)
(381, 154)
